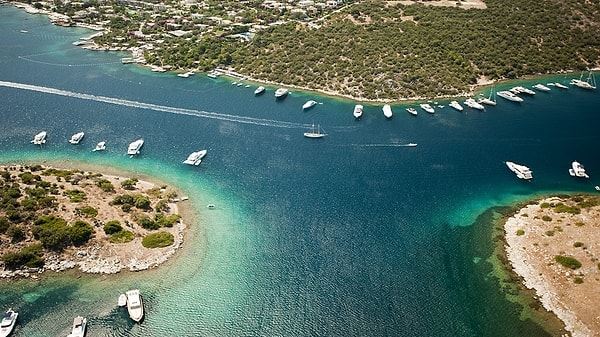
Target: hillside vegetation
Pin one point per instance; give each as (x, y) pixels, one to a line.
(385, 50)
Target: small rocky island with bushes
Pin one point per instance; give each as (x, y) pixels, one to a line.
(553, 244)
(57, 219)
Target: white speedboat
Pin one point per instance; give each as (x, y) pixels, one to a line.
(9, 319)
(40, 138)
(100, 147)
(79, 324)
(76, 138)
(309, 104)
(456, 105)
(520, 89)
(387, 111)
(358, 111)
(122, 300)
(522, 171)
(577, 170)
(281, 92)
(559, 85)
(134, 148)
(315, 132)
(473, 104)
(135, 307)
(541, 87)
(509, 96)
(412, 111)
(195, 158)
(427, 107)
(259, 91)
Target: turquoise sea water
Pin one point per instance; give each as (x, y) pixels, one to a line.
(349, 235)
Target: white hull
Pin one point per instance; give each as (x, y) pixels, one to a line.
(134, 148)
(309, 104)
(456, 105)
(76, 138)
(315, 133)
(387, 111)
(471, 103)
(358, 110)
(40, 138)
(427, 108)
(510, 96)
(519, 89)
(135, 307)
(100, 146)
(522, 171)
(122, 300)
(590, 83)
(9, 319)
(412, 111)
(281, 92)
(541, 87)
(195, 158)
(79, 325)
(577, 170)
(259, 90)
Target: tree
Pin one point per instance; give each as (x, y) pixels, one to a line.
(112, 227)
(80, 232)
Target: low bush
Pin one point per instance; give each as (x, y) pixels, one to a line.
(112, 227)
(122, 237)
(568, 261)
(157, 240)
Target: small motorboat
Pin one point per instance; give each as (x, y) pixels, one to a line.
(9, 319)
(122, 300)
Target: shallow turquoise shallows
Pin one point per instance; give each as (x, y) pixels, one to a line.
(352, 234)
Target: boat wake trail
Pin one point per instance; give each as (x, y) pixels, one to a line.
(386, 145)
(155, 107)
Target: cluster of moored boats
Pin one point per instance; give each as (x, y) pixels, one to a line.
(525, 173)
(132, 299)
(195, 158)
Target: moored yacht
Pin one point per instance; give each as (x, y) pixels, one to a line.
(473, 104)
(522, 171)
(456, 105)
(509, 96)
(309, 104)
(195, 158)
(315, 132)
(281, 92)
(590, 83)
(259, 91)
(40, 138)
(541, 87)
(427, 107)
(134, 148)
(520, 89)
(9, 319)
(100, 147)
(358, 110)
(412, 111)
(559, 85)
(135, 308)
(387, 111)
(79, 324)
(76, 138)
(577, 170)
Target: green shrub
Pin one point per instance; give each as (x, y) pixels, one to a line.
(129, 184)
(4, 224)
(166, 221)
(121, 237)
(578, 280)
(550, 233)
(520, 232)
(545, 205)
(105, 185)
(112, 227)
(578, 244)
(146, 222)
(580, 224)
(562, 208)
(16, 233)
(80, 232)
(568, 261)
(75, 195)
(162, 206)
(156, 240)
(88, 211)
(546, 218)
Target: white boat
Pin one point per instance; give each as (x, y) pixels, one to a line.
(134, 148)
(490, 100)
(358, 111)
(522, 171)
(122, 300)
(456, 105)
(213, 74)
(411, 144)
(412, 111)
(9, 319)
(427, 107)
(100, 147)
(195, 158)
(79, 324)
(259, 91)
(589, 83)
(520, 89)
(473, 104)
(309, 104)
(387, 111)
(509, 96)
(76, 138)
(559, 85)
(577, 170)
(40, 138)
(315, 132)
(135, 307)
(541, 87)
(281, 92)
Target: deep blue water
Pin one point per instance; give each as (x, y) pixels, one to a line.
(349, 235)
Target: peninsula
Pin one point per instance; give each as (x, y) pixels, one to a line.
(363, 50)
(57, 219)
(553, 244)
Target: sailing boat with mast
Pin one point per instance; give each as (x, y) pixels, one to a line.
(491, 100)
(590, 83)
(315, 132)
